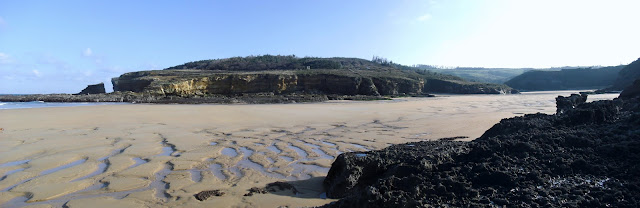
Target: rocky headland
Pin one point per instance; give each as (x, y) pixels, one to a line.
(585, 155)
(274, 79)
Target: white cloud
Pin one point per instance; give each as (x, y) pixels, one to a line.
(49, 60)
(36, 73)
(424, 17)
(87, 52)
(5, 59)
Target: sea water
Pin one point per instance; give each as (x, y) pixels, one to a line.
(40, 104)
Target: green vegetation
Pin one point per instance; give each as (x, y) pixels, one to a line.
(278, 62)
(581, 78)
(378, 66)
(490, 75)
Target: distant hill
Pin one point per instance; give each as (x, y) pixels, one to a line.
(490, 75)
(627, 76)
(580, 78)
(478, 74)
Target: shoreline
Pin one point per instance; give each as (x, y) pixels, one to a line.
(248, 98)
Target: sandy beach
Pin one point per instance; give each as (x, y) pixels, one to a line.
(162, 155)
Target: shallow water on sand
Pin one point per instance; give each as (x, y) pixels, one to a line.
(40, 104)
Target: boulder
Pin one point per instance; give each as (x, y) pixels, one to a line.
(564, 104)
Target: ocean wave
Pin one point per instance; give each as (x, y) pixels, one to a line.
(2, 103)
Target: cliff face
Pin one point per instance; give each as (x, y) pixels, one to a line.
(199, 82)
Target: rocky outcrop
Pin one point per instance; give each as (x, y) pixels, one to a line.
(586, 156)
(187, 83)
(204, 195)
(93, 89)
(565, 104)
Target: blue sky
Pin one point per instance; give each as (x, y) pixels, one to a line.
(61, 46)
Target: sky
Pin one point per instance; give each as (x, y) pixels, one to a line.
(62, 46)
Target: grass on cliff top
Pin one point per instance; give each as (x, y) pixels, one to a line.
(377, 67)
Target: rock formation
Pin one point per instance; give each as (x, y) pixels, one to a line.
(204, 195)
(585, 156)
(565, 104)
(187, 83)
(288, 75)
(93, 89)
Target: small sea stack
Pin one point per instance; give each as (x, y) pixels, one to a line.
(93, 89)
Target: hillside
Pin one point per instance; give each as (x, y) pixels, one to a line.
(281, 75)
(627, 76)
(479, 74)
(490, 75)
(581, 78)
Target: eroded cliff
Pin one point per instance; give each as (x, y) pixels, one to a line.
(187, 83)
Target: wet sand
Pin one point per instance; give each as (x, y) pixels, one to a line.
(161, 155)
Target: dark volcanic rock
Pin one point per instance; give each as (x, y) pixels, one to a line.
(273, 187)
(204, 195)
(587, 156)
(564, 104)
(93, 89)
(356, 171)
